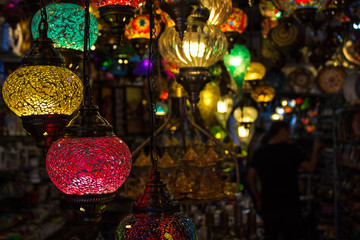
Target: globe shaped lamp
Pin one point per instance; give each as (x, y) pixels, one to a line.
(234, 26)
(42, 92)
(237, 62)
(156, 215)
(138, 32)
(117, 13)
(245, 115)
(263, 94)
(89, 163)
(66, 29)
(179, 11)
(303, 9)
(220, 10)
(202, 46)
(255, 71)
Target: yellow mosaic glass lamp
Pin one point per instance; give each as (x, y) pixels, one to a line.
(42, 92)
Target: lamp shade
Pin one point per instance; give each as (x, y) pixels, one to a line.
(255, 71)
(208, 102)
(139, 27)
(66, 26)
(88, 165)
(237, 62)
(263, 94)
(202, 45)
(220, 10)
(42, 90)
(290, 6)
(245, 114)
(133, 3)
(237, 22)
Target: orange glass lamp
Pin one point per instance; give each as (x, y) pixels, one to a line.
(202, 46)
(42, 92)
(138, 32)
(117, 13)
(263, 94)
(234, 26)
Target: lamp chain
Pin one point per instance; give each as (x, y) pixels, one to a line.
(43, 24)
(151, 78)
(86, 76)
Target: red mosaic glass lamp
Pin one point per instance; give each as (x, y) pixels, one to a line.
(138, 32)
(117, 13)
(89, 163)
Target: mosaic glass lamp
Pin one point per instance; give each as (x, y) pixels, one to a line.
(138, 32)
(156, 215)
(237, 62)
(202, 46)
(117, 13)
(220, 10)
(263, 94)
(255, 71)
(42, 92)
(66, 29)
(234, 26)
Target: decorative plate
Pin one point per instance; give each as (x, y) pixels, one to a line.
(331, 79)
(301, 80)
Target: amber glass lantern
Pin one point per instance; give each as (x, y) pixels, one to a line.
(255, 71)
(208, 102)
(117, 13)
(202, 46)
(138, 32)
(42, 92)
(263, 94)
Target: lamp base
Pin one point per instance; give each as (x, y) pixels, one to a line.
(90, 207)
(117, 16)
(194, 80)
(45, 128)
(73, 58)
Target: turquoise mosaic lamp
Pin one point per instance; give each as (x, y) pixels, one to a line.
(66, 29)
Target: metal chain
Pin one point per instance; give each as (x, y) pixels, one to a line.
(86, 67)
(43, 24)
(152, 71)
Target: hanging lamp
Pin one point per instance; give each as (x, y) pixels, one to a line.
(220, 10)
(156, 214)
(138, 32)
(237, 62)
(42, 92)
(202, 46)
(117, 13)
(89, 163)
(66, 29)
(179, 11)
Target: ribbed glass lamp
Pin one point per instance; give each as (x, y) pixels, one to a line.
(138, 32)
(66, 29)
(42, 92)
(220, 10)
(117, 13)
(156, 215)
(237, 62)
(202, 46)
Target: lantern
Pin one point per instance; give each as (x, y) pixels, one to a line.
(237, 62)
(255, 71)
(117, 13)
(202, 46)
(263, 94)
(156, 215)
(66, 29)
(223, 108)
(42, 92)
(245, 114)
(208, 102)
(234, 26)
(138, 32)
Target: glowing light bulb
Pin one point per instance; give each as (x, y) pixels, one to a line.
(243, 132)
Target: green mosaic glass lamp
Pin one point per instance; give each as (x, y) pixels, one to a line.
(66, 29)
(237, 62)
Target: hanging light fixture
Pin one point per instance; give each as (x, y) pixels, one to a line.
(89, 163)
(42, 92)
(220, 10)
(202, 46)
(234, 26)
(263, 94)
(179, 11)
(117, 13)
(255, 71)
(138, 32)
(66, 29)
(207, 105)
(237, 62)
